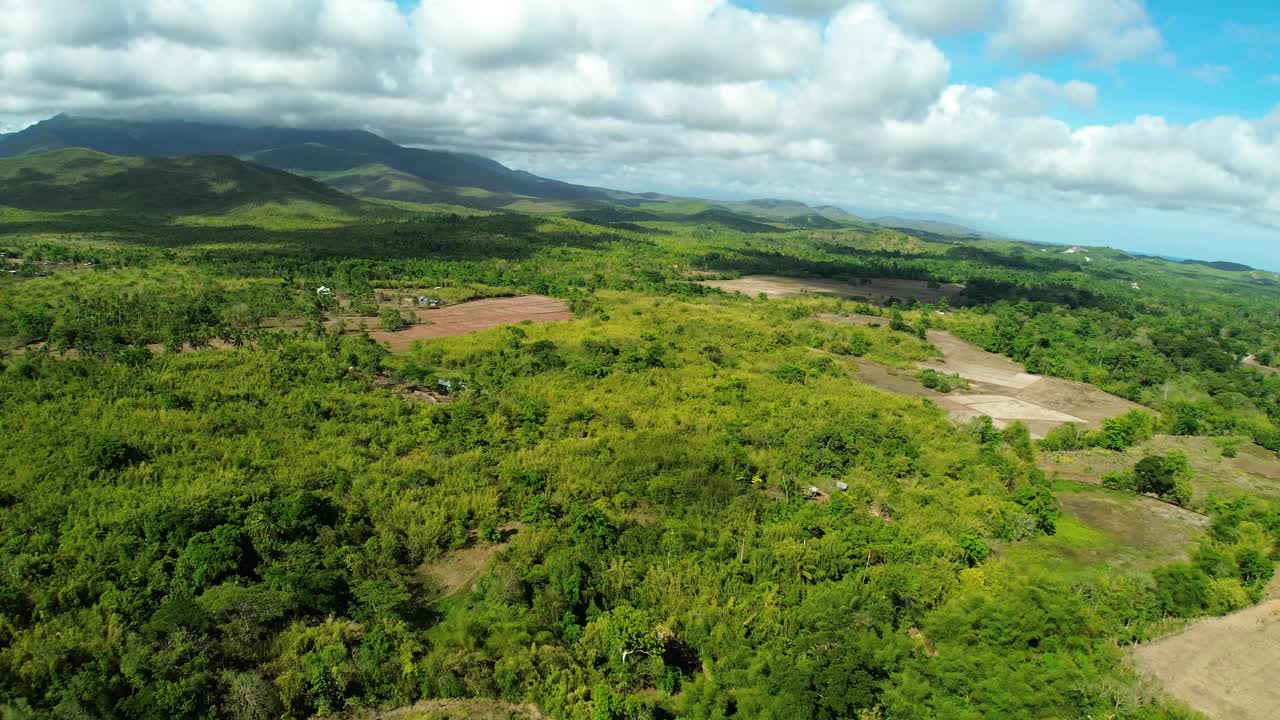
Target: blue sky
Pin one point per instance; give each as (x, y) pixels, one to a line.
(1221, 55)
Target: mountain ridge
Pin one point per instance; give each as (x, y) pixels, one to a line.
(365, 164)
(282, 148)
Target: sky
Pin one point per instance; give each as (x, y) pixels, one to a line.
(1150, 126)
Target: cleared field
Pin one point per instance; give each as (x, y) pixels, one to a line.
(1254, 470)
(999, 388)
(1102, 527)
(878, 289)
(478, 709)
(476, 315)
(1224, 667)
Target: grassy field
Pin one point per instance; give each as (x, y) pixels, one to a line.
(1103, 528)
(1253, 471)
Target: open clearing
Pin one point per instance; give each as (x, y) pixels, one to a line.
(477, 709)
(998, 387)
(1224, 667)
(1253, 471)
(879, 289)
(1121, 530)
(457, 570)
(475, 315)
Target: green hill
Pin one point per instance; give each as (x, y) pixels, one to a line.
(78, 179)
(305, 151)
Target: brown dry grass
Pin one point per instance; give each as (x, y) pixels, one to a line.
(1254, 470)
(458, 570)
(1224, 667)
(476, 709)
(879, 289)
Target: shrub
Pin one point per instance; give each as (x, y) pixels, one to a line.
(1065, 437)
(941, 382)
(1120, 480)
(790, 374)
(391, 320)
(1226, 595)
(1182, 590)
(975, 548)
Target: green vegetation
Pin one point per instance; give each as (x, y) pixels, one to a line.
(251, 531)
(942, 382)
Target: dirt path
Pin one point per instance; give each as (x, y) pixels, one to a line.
(1225, 667)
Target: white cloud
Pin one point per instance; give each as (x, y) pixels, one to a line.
(938, 17)
(870, 67)
(686, 95)
(1210, 74)
(1035, 94)
(1107, 31)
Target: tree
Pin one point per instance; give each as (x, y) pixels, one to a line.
(628, 640)
(391, 320)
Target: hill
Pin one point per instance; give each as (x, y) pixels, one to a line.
(1222, 265)
(78, 179)
(930, 227)
(790, 209)
(302, 151)
(365, 164)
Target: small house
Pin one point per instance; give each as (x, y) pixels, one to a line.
(814, 492)
(842, 486)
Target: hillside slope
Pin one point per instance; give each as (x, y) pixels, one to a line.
(305, 151)
(79, 179)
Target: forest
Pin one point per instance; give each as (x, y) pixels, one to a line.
(217, 502)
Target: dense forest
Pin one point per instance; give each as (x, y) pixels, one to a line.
(217, 502)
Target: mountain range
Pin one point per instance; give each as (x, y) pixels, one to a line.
(364, 164)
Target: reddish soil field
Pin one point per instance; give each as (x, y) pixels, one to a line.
(476, 315)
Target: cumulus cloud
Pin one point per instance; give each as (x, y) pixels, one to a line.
(870, 68)
(1107, 31)
(686, 95)
(943, 18)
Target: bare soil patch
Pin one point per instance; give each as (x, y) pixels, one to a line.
(458, 570)
(476, 709)
(1224, 667)
(476, 315)
(1251, 361)
(879, 289)
(999, 388)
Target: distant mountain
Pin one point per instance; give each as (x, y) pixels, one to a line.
(78, 179)
(788, 209)
(307, 152)
(834, 213)
(1220, 265)
(935, 227)
(364, 164)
